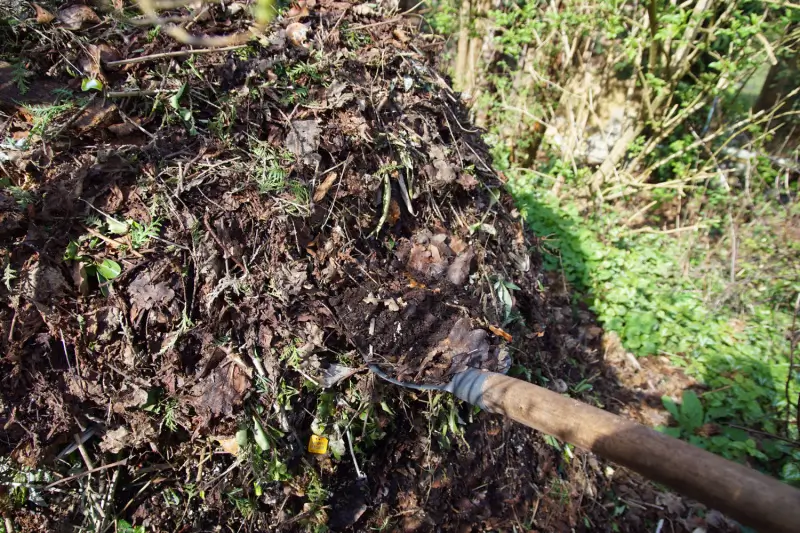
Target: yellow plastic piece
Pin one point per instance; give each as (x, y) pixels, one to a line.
(317, 444)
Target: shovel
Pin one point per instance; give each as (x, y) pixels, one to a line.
(752, 498)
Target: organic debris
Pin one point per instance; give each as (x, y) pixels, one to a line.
(204, 249)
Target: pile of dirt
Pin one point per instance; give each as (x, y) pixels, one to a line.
(201, 258)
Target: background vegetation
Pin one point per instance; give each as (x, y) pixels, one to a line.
(654, 147)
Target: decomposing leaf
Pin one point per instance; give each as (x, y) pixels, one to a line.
(337, 94)
(459, 269)
(123, 129)
(441, 171)
(220, 391)
(465, 340)
(93, 116)
(140, 430)
(467, 180)
(364, 10)
(75, 16)
(43, 283)
(370, 299)
(303, 138)
(43, 16)
(81, 278)
(400, 35)
(145, 294)
(334, 374)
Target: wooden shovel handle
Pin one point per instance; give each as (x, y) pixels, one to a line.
(744, 494)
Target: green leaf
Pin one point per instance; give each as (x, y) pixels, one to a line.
(671, 406)
(242, 437)
(259, 435)
(71, 254)
(791, 472)
(116, 227)
(691, 411)
(108, 268)
(123, 526)
(175, 99)
(102, 283)
(91, 84)
(670, 432)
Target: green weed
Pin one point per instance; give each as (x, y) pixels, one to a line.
(141, 234)
(245, 505)
(634, 285)
(9, 275)
(19, 75)
(445, 422)
(354, 39)
(123, 526)
(22, 197)
(271, 167)
(44, 115)
(153, 33)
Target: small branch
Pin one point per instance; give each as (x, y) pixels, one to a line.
(177, 53)
(765, 434)
(86, 473)
(111, 242)
(668, 231)
(136, 92)
(639, 212)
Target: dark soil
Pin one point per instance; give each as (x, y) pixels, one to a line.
(312, 205)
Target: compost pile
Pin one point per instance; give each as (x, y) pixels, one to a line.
(202, 253)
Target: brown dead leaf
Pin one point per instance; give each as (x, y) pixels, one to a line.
(440, 170)
(457, 244)
(43, 16)
(303, 138)
(228, 444)
(142, 430)
(324, 187)
(467, 180)
(501, 333)
(103, 53)
(221, 391)
(298, 10)
(74, 17)
(400, 35)
(394, 213)
(145, 294)
(458, 271)
(93, 116)
(43, 283)
(297, 33)
(123, 129)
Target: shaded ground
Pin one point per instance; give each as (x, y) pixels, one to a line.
(200, 260)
